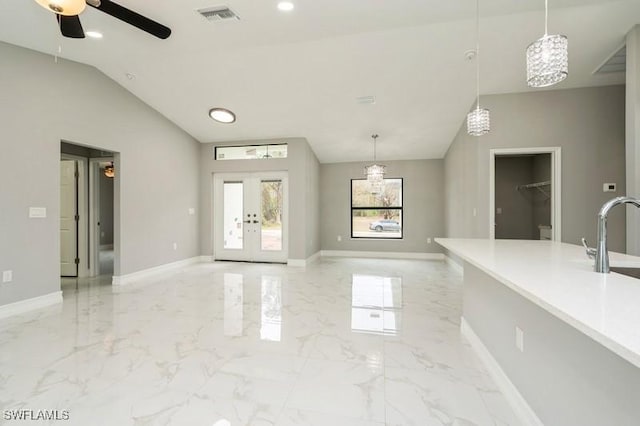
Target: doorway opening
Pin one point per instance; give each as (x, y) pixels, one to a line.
(525, 194)
(88, 201)
(250, 217)
(103, 199)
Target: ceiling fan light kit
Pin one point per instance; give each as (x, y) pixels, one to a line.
(67, 12)
(63, 7)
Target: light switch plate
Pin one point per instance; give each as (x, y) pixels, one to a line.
(7, 276)
(192, 211)
(37, 212)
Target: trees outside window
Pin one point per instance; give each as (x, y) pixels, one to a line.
(376, 215)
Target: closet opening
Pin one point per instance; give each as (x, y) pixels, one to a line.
(525, 194)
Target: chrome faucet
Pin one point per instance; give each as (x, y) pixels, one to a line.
(600, 253)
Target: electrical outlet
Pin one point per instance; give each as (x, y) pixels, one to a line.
(475, 212)
(608, 187)
(519, 339)
(7, 276)
(192, 211)
(499, 210)
(175, 246)
(428, 240)
(339, 238)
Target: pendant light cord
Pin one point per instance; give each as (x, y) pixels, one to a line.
(478, 54)
(374, 147)
(546, 16)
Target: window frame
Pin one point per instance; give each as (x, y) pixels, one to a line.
(400, 208)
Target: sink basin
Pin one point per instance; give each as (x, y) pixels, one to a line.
(630, 272)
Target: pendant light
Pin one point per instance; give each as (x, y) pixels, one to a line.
(375, 172)
(547, 57)
(63, 7)
(478, 120)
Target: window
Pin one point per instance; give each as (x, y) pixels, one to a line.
(376, 215)
(250, 152)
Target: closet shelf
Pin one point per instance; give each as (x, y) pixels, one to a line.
(537, 185)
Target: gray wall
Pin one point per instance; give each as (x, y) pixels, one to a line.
(567, 378)
(589, 126)
(633, 137)
(517, 209)
(106, 209)
(423, 198)
(302, 166)
(312, 203)
(45, 102)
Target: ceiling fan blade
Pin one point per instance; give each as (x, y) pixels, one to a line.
(70, 26)
(133, 18)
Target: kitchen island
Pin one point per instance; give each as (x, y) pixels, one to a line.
(561, 340)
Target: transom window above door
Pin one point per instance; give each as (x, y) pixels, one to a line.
(250, 152)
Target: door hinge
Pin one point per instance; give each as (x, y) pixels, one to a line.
(77, 217)
(77, 261)
(77, 174)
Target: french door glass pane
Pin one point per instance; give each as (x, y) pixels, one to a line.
(233, 211)
(271, 206)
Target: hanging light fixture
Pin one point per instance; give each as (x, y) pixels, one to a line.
(547, 58)
(375, 172)
(478, 120)
(109, 171)
(63, 7)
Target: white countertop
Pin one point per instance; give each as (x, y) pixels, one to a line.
(559, 278)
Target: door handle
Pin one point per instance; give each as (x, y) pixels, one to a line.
(246, 221)
(255, 221)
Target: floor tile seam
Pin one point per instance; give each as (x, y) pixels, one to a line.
(338, 416)
(293, 388)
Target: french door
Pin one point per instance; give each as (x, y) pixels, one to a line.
(250, 217)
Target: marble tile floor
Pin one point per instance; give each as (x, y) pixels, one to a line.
(341, 342)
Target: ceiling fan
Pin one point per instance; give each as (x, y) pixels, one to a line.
(67, 12)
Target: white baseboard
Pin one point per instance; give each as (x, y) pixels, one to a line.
(304, 262)
(151, 272)
(519, 405)
(455, 265)
(206, 259)
(382, 254)
(27, 305)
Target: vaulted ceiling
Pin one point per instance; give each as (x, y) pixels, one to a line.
(298, 74)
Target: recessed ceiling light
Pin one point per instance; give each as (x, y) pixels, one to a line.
(285, 6)
(93, 34)
(222, 115)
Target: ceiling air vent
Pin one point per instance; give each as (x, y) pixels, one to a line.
(218, 13)
(616, 62)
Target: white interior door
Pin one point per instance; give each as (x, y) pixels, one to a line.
(250, 217)
(68, 219)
